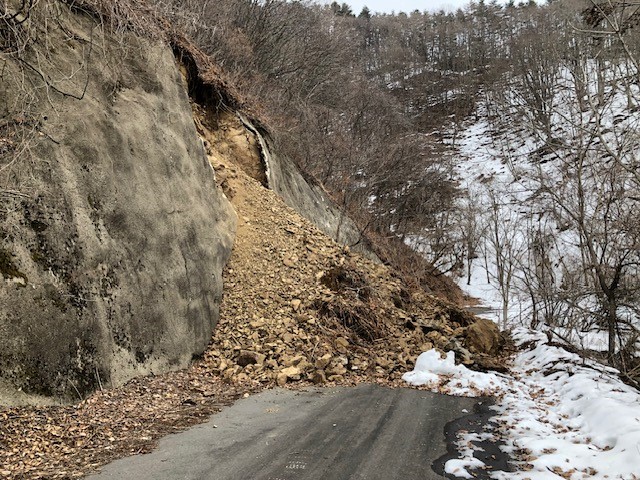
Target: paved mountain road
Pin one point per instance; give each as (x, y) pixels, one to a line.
(366, 432)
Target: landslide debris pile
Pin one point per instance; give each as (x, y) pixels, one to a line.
(300, 308)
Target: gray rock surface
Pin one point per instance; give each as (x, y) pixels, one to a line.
(113, 233)
(307, 197)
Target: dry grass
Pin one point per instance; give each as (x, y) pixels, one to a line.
(362, 318)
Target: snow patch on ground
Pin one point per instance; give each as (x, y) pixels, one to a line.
(560, 416)
(458, 467)
(443, 374)
(567, 417)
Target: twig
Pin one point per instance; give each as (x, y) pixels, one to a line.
(564, 339)
(98, 377)
(14, 193)
(50, 137)
(76, 389)
(53, 87)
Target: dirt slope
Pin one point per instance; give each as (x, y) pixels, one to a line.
(297, 306)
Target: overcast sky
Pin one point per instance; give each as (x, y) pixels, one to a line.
(402, 5)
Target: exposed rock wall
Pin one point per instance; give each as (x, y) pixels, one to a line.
(306, 196)
(113, 233)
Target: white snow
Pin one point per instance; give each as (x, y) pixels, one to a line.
(569, 415)
(558, 415)
(447, 377)
(458, 467)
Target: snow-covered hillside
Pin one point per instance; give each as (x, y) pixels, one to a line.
(552, 253)
(557, 232)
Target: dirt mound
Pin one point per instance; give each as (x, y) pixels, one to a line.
(303, 308)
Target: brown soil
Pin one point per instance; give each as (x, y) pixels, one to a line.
(298, 308)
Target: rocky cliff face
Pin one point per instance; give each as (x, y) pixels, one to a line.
(113, 233)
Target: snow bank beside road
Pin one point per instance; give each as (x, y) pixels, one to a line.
(569, 418)
(444, 376)
(560, 417)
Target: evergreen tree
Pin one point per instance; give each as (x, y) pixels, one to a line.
(345, 10)
(365, 13)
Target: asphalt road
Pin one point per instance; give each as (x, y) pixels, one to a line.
(367, 432)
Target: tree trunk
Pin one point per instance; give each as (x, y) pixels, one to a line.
(612, 322)
(505, 311)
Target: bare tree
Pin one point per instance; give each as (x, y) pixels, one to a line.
(505, 246)
(472, 226)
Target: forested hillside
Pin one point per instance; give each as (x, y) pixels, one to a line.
(493, 148)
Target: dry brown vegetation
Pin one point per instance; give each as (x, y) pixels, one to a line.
(298, 308)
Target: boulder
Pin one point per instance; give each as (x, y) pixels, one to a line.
(483, 337)
(318, 377)
(247, 357)
(292, 373)
(323, 361)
